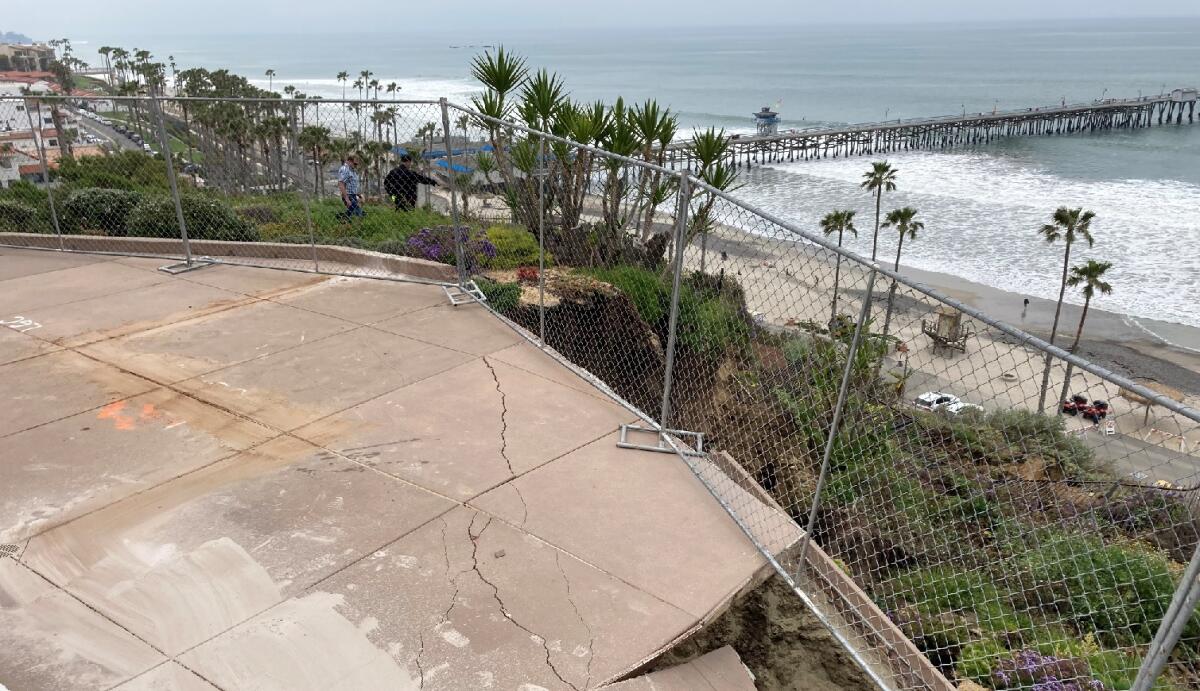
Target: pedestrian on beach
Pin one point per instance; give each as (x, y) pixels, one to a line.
(348, 186)
(1025, 308)
(401, 184)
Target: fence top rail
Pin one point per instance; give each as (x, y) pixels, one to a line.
(1025, 338)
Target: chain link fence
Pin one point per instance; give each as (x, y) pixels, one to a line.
(880, 443)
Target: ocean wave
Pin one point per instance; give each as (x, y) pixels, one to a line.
(982, 213)
(420, 89)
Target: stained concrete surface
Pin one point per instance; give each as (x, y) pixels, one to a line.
(241, 478)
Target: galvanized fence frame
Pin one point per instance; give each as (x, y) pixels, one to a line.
(1187, 593)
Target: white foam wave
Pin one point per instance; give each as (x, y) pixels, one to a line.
(982, 213)
(421, 89)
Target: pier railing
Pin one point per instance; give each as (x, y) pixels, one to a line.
(950, 531)
(947, 131)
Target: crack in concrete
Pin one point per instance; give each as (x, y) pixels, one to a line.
(591, 634)
(504, 609)
(524, 506)
(446, 614)
(503, 417)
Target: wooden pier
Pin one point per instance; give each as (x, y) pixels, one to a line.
(1173, 108)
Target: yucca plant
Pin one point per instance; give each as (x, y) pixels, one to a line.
(710, 148)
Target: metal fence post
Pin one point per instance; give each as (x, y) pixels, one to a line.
(35, 131)
(542, 172)
(681, 213)
(836, 423)
(459, 250)
(298, 161)
(1183, 603)
(165, 144)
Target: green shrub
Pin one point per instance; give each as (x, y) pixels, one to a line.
(26, 192)
(515, 247)
(1119, 591)
(977, 660)
(283, 232)
(503, 297)
(206, 219)
(710, 324)
(16, 216)
(98, 209)
(710, 320)
(125, 170)
(259, 214)
(650, 296)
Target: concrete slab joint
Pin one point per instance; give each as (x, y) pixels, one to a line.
(250, 478)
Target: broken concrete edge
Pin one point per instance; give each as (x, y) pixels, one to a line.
(725, 657)
(904, 660)
(171, 248)
(749, 584)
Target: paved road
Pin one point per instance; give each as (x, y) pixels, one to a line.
(107, 134)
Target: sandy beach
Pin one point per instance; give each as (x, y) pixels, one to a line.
(788, 283)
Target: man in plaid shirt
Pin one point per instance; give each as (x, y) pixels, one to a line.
(348, 185)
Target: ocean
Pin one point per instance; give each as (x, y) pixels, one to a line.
(982, 206)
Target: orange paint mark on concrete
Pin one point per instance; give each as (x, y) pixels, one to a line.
(115, 411)
(111, 410)
(148, 411)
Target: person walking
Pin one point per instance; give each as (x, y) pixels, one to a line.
(348, 186)
(401, 184)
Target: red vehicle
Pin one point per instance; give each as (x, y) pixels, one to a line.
(1074, 405)
(1095, 412)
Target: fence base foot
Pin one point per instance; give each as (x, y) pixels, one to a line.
(464, 294)
(661, 445)
(184, 267)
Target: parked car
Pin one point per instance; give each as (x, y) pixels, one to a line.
(935, 400)
(961, 408)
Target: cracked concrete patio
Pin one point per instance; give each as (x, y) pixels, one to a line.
(242, 478)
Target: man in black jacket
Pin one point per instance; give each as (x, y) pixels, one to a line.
(401, 184)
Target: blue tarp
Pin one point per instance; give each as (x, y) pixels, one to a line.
(441, 153)
(458, 168)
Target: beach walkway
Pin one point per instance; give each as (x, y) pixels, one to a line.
(244, 478)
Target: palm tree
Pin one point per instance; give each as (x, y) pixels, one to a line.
(1068, 225)
(903, 220)
(1091, 277)
(879, 179)
(392, 88)
(710, 148)
(270, 79)
(106, 53)
(839, 222)
(342, 77)
(315, 140)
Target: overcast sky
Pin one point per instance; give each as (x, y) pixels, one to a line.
(80, 18)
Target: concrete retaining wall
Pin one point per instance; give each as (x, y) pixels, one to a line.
(283, 255)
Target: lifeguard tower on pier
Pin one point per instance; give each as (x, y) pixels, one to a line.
(767, 121)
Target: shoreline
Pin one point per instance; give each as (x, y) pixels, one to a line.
(1114, 341)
